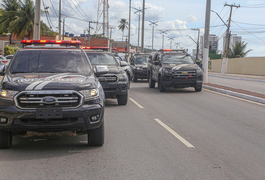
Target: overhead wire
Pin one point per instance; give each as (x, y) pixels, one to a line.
(82, 10)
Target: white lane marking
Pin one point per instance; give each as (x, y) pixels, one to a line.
(136, 103)
(234, 97)
(189, 145)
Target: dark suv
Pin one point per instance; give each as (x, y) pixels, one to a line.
(113, 78)
(139, 66)
(49, 89)
(174, 68)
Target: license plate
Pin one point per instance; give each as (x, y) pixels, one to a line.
(49, 113)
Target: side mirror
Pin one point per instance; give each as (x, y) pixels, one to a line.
(199, 64)
(123, 63)
(101, 69)
(156, 63)
(2, 70)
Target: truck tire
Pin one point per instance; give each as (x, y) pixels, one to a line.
(95, 137)
(122, 99)
(134, 79)
(198, 89)
(150, 81)
(5, 139)
(160, 85)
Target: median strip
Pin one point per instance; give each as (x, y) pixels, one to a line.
(189, 145)
(137, 104)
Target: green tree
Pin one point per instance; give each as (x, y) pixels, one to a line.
(45, 30)
(8, 15)
(239, 50)
(23, 25)
(10, 50)
(123, 25)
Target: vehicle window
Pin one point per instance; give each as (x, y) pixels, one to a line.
(50, 62)
(101, 59)
(177, 59)
(141, 60)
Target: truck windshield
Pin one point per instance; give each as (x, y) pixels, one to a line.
(101, 59)
(177, 59)
(141, 60)
(57, 61)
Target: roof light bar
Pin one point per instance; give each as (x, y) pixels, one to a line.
(87, 47)
(167, 49)
(63, 42)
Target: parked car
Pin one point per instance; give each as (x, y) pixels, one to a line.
(4, 61)
(125, 66)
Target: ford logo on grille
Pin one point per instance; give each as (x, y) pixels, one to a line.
(49, 100)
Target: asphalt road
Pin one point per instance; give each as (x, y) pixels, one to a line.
(180, 134)
(257, 87)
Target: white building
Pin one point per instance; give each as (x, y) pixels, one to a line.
(233, 39)
(213, 43)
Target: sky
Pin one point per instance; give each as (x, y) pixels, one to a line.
(176, 16)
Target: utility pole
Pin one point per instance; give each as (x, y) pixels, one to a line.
(129, 33)
(171, 39)
(198, 41)
(60, 4)
(153, 23)
(139, 16)
(163, 32)
(89, 27)
(206, 41)
(36, 31)
(227, 38)
(143, 26)
(63, 27)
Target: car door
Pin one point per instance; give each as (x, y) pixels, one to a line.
(156, 67)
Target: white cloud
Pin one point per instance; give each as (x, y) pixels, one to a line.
(191, 18)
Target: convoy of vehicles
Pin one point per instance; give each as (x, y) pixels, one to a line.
(59, 88)
(49, 88)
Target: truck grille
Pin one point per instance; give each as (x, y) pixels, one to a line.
(34, 99)
(108, 78)
(189, 74)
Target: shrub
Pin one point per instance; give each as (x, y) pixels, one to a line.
(10, 50)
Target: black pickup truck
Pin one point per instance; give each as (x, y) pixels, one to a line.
(50, 89)
(139, 66)
(174, 68)
(113, 78)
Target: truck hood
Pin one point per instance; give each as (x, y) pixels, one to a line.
(47, 81)
(180, 67)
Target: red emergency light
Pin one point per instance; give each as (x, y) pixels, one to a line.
(63, 42)
(167, 49)
(87, 47)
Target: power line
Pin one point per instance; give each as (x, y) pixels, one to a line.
(82, 11)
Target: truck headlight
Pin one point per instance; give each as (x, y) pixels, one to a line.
(92, 93)
(8, 94)
(138, 68)
(122, 77)
(199, 73)
(168, 72)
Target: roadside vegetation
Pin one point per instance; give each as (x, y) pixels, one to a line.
(239, 50)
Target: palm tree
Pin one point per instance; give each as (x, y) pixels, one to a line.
(8, 14)
(23, 25)
(123, 25)
(239, 50)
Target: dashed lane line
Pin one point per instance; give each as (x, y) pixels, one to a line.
(189, 145)
(136, 103)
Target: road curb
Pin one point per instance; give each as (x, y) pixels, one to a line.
(232, 93)
(245, 79)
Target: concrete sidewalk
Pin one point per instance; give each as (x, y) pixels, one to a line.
(242, 93)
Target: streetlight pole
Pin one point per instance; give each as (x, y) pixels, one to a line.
(129, 33)
(171, 39)
(163, 32)
(60, 35)
(143, 26)
(153, 23)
